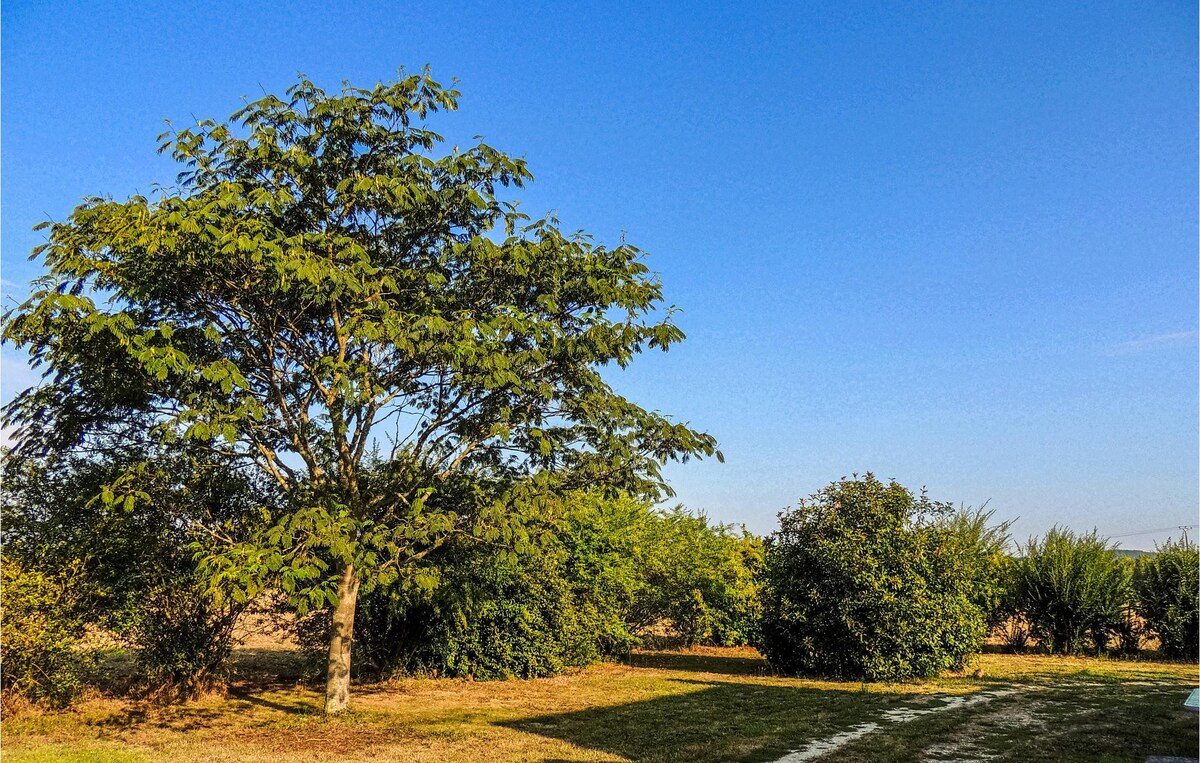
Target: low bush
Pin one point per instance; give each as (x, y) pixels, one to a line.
(865, 580)
(486, 619)
(181, 639)
(696, 579)
(473, 609)
(1166, 587)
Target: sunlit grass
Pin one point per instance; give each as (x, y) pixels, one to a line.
(720, 705)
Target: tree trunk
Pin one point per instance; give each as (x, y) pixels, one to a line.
(341, 638)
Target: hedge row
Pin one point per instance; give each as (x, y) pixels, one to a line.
(1074, 594)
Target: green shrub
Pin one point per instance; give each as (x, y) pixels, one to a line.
(1072, 589)
(601, 575)
(40, 629)
(696, 579)
(487, 619)
(738, 620)
(864, 580)
(126, 524)
(475, 609)
(1165, 585)
(181, 639)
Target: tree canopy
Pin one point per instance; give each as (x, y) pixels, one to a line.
(321, 282)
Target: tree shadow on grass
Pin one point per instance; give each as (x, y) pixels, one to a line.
(172, 718)
(698, 662)
(290, 706)
(185, 717)
(716, 721)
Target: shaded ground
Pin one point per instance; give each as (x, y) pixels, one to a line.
(698, 705)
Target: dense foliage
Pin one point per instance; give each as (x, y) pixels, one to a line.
(1167, 587)
(693, 579)
(1072, 589)
(606, 573)
(865, 580)
(43, 624)
(133, 563)
(987, 561)
(486, 617)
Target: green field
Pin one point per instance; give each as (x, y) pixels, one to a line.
(698, 705)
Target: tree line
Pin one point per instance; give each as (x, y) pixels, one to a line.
(864, 580)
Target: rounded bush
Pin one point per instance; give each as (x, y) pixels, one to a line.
(864, 580)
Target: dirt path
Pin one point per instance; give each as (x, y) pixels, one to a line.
(894, 717)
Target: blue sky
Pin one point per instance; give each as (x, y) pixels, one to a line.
(951, 243)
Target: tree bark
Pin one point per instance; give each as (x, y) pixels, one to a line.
(341, 639)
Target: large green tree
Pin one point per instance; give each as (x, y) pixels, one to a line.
(322, 280)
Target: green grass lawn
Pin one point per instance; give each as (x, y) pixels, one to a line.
(700, 705)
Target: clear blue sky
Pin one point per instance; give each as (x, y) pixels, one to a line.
(954, 243)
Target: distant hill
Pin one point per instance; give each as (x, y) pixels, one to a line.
(1133, 553)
